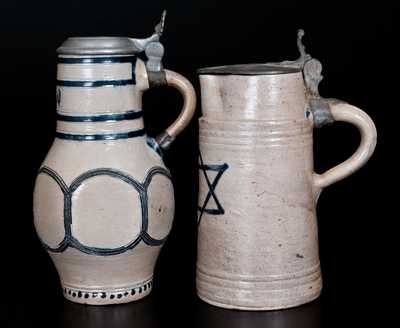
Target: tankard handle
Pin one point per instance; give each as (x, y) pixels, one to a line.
(344, 112)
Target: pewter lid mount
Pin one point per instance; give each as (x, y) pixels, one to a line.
(110, 45)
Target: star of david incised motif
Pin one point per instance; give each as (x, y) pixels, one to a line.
(211, 186)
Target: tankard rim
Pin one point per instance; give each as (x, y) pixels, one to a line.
(248, 69)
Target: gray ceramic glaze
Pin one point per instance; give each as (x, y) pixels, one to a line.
(103, 200)
(257, 237)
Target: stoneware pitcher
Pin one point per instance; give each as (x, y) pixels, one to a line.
(257, 237)
(103, 200)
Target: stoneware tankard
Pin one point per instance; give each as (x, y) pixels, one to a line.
(257, 227)
(103, 199)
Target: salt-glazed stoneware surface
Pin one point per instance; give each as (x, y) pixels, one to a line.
(103, 200)
(257, 240)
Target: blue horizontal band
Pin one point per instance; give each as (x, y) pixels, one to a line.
(97, 60)
(94, 84)
(94, 137)
(131, 115)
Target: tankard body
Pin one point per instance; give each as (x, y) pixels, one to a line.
(103, 200)
(257, 227)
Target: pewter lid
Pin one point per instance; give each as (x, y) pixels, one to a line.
(98, 46)
(249, 69)
(310, 67)
(107, 45)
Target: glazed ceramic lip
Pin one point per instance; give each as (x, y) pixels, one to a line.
(248, 69)
(103, 45)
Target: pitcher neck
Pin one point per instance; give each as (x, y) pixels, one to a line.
(99, 97)
(99, 84)
(100, 127)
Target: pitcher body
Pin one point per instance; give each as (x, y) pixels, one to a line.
(103, 200)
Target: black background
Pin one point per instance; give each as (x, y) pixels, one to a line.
(356, 43)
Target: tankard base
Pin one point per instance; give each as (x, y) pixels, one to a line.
(268, 308)
(245, 295)
(107, 296)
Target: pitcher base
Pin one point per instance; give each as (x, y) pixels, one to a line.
(93, 296)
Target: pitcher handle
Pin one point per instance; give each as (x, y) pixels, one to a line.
(165, 138)
(344, 112)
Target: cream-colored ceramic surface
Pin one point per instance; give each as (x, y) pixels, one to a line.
(115, 197)
(258, 238)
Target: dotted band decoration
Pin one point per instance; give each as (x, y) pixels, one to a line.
(86, 294)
